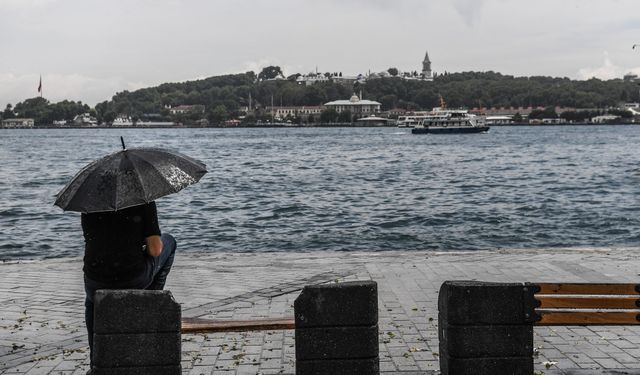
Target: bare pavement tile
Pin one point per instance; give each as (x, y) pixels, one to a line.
(42, 313)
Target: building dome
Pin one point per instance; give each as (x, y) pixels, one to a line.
(354, 98)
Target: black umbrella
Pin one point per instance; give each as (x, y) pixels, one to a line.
(129, 178)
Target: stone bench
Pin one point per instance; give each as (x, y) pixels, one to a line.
(336, 330)
(487, 328)
(136, 332)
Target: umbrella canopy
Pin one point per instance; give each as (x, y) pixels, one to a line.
(129, 178)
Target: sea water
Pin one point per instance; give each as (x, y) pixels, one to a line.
(346, 189)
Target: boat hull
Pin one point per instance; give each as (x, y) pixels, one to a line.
(450, 130)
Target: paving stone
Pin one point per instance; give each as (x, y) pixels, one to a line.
(41, 307)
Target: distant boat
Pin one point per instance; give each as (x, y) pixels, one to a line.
(409, 121)
(122, 121)
(372, 121)
(443, 121)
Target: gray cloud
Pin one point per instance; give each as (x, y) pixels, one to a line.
(89, 49)
(469, 10)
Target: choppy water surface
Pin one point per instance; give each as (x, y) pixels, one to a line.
(347, 189)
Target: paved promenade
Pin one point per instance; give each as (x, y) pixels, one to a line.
(42, 314)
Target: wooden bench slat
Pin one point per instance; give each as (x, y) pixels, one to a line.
(588, 318)
(619, 302)
(583, 288)
(197, 325)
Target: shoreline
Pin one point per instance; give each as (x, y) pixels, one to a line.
(337, 125)
(372, 253)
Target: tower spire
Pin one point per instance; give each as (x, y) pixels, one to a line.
(426, 67)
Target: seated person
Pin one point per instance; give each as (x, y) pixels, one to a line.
(124, 249)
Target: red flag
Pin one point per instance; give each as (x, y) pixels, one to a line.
(40, 85)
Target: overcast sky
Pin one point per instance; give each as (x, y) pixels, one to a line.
(88, 50)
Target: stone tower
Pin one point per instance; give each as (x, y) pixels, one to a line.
(426, 67)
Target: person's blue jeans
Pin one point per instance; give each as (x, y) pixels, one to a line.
(153, 278)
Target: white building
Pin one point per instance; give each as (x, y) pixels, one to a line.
(356, 105)
(122, 120)
(604, 119)
(281, 113)
(311, 78)
(18, 123)
(499, 120)
(349, 80)
(383, 74)
(85, 119)
(181, 109)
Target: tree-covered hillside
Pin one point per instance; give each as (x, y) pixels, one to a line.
(44, 112)
(473, 89)
(224, 96)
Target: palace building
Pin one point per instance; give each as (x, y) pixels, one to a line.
(356, 105)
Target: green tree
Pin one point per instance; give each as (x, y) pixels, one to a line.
(37, 108)
(393, 71)
(621, 112)
(218, 114)
(328, 115)
(108, 117)
(517, 118)
(548, 112)
(388, 102)
(270, 72)
(8, 112)
(249, 119)
(314, 95)
(345, 116)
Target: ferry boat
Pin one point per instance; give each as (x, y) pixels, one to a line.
(442, 120)
(410, 121)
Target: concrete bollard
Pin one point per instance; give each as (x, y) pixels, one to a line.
(136, 332)
(486, 328)
(337, 329)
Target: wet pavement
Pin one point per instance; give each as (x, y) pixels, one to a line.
(42, 314)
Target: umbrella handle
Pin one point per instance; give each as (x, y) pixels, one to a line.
(122, 140)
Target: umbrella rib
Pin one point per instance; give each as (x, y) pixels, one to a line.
(78, 179)
(152, 166)
(80, 176)
(72, 194)
(192, 163)
(140, 180)
(89, 173)
(142, 159)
